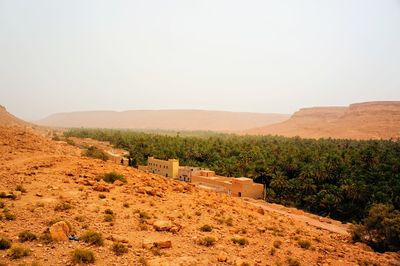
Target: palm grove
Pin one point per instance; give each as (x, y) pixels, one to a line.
(349, 180)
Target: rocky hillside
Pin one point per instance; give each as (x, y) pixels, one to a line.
(8, 119)
(164, 120)
(56, 209)
(371, 120)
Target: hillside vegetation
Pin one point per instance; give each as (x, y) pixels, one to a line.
(338, 178)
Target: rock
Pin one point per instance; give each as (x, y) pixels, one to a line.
(261, 229)
(59, 231)
(240, 262)
(147, 244)
(260, 210)
(364, 246)
(147, 190)
(17, 194)
(118, 183)
(161, 225)
(163, 244)
(101, 188)
(39, 195)
(222, 256)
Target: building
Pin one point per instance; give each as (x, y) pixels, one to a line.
(185, 173)
(161, 167)
(238, 187)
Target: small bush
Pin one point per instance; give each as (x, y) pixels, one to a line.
(272, 251)
(26, 236)
(126, 205)
(2, 205)
(207, 241)
(143, 215)
(62, 206)
(108, 218)
(293, 262)
(229, 221)
(240, 240)
(93, 238)
(20, 188)
(18, 252)
(119, 249)
(46, 238)
(206, 228)
(112, 177)
(82, 256)
(5, 243)
(94, 152)
(102, 196)
(277, 244)
(9, 216)
(109, 211)
(304, 244)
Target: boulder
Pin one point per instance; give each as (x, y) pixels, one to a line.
(101, 188)
(162, 225)
(222, 256)
(59, 231)
(163, 244)
(260, 210)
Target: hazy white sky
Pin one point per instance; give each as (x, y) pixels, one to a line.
(257, 56)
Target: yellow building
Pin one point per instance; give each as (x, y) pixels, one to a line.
(168, 168)
(238, 187)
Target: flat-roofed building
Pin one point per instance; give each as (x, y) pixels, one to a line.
(165, 168)
(185, 173)
(238, 187)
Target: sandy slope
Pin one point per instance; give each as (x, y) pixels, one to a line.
(53, 172)
(371, 120)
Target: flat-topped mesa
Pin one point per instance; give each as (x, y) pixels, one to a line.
(320, 112)
(373, 108)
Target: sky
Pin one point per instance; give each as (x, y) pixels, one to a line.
(269, 56)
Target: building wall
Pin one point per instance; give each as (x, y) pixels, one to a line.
(161, 167)
(185, 173)
(238, 187)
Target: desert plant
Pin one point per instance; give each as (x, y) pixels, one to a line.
(304, 243)
(93, 238)
(207, 241)
(9, 216)
(240, 241)
(119, 249)
(293, 262)
(82, 256)
(102, 196)
(16, 252)
(46, 238)
(94, 152)
(108, 218)
(229, 221)
(20, 188)
(109, 211)
(206, 228)
(2, 205)
(112, 177)
(126, 205)
(62, 206)
(26, 236)
(5, 243)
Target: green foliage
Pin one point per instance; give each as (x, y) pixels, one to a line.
(119, 249)
(112, 177)
(108, 218)
(82, 256)
(206, 228)
(207, 241)
(9, 216)
(330, 177)
(240, 241)
(5, 243)
(20, 188)
(26, 236)
(380, 229)
(16, 252)
(94, 152)
(293, 262)
(93, 238)
(62, 206)
(304, 243)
